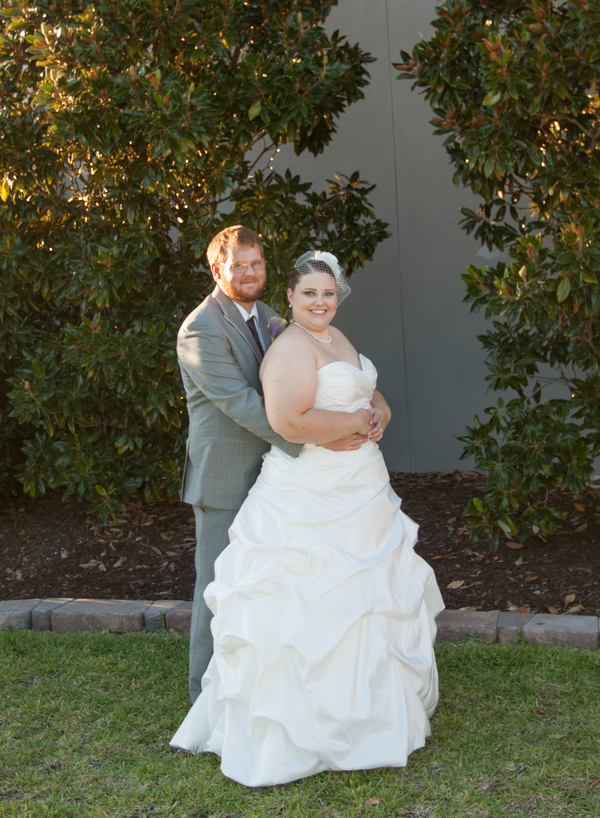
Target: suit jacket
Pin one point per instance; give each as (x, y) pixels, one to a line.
(229, 431)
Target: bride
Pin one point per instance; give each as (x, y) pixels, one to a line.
(324, 617)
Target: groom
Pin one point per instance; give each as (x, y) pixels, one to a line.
(220, 347)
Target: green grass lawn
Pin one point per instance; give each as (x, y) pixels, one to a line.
(85, 722)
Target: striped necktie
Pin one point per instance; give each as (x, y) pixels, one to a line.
(252, 327)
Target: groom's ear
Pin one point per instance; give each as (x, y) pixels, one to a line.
(216, 273)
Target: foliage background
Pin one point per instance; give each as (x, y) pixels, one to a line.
(132, 132)
(514, 89)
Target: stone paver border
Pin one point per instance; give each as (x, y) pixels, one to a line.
(125, 615)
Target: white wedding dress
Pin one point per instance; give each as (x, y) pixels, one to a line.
(324, 617)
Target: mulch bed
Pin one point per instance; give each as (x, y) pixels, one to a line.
(50, 548)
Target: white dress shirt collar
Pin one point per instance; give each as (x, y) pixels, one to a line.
(244, 312)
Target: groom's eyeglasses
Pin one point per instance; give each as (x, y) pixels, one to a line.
(241, 266)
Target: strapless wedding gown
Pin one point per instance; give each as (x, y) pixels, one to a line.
(324, 617)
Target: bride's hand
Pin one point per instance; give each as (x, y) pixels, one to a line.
(363, 417)
(379, 420)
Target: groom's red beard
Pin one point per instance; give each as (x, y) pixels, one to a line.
(245, 291)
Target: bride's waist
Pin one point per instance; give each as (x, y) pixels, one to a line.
(320, 454)
(316, 454)
(319, 469)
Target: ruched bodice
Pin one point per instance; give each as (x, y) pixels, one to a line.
(344, 387)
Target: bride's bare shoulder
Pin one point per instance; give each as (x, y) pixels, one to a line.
(292, 339)
(290, 350)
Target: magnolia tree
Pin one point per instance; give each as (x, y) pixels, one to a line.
(514, 89)
(131, 132)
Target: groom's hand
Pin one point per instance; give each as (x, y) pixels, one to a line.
(346, 444)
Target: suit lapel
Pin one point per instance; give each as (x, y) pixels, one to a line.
(235, 320)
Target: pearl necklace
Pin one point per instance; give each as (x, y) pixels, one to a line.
(320, 340)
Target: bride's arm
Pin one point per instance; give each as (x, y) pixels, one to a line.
(382, 415)
(290, 381)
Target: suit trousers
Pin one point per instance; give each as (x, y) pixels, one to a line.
(212, 525)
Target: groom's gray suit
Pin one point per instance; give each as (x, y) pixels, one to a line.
(228, 435)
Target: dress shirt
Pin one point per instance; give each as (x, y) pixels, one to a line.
(246, 315)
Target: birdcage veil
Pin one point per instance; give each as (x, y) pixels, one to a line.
(318, 261)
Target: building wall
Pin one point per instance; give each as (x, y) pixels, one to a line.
(406, 311)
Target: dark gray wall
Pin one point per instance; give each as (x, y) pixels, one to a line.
(406, 311)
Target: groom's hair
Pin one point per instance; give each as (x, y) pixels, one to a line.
(235, 236)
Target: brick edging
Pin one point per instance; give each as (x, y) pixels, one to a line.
(67, 615)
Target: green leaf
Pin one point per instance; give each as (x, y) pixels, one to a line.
(589, 277)
(564, 288)
(492, 98)
(255, 110)
(490, 166)
(504, 526)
